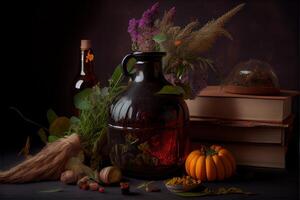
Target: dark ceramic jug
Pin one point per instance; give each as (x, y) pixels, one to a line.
(147, 131)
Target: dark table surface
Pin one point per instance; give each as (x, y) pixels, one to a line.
(265, 183)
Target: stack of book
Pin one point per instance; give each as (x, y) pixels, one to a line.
(255, 128)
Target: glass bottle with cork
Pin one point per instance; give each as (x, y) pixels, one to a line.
(86, 77)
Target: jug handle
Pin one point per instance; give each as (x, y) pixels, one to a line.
(124, 65)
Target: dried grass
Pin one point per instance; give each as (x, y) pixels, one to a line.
(190, 42)
(48, 164)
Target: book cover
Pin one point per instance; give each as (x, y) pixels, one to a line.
(269, 135)
(213, 102)
(241, 131)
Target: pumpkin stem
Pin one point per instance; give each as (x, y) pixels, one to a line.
(210, 152)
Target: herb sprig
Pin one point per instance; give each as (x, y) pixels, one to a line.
(93, 104)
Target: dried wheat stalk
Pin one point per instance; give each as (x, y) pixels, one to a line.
(203, 39)
(48, 164)
(191, 41)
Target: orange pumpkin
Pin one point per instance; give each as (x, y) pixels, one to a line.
(214, 163)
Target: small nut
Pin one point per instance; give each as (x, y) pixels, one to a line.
(110, 174)
(68, 177)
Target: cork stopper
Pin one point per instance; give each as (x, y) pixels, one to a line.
(85, 44)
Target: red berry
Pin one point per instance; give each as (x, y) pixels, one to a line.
(101, 189)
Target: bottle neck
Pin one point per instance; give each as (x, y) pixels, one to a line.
(86, 62)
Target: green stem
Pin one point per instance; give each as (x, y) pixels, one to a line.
(210, 152)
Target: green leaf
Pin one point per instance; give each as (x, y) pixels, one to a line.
(52, 138)
(52, 190)
(51, 116)
(74, 120)
(170, 89)
(159, 38)
(104, 91)
(130, 64)
(75, 124)
(116, 75)
(43, 135)
(60, 126)
(81, 99)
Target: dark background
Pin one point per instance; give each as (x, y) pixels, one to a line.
(43, 39)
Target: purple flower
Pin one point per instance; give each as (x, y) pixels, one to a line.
(149, 16)
(133, 29)
(142, 30)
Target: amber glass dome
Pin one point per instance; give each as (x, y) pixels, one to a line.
(252, 77)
